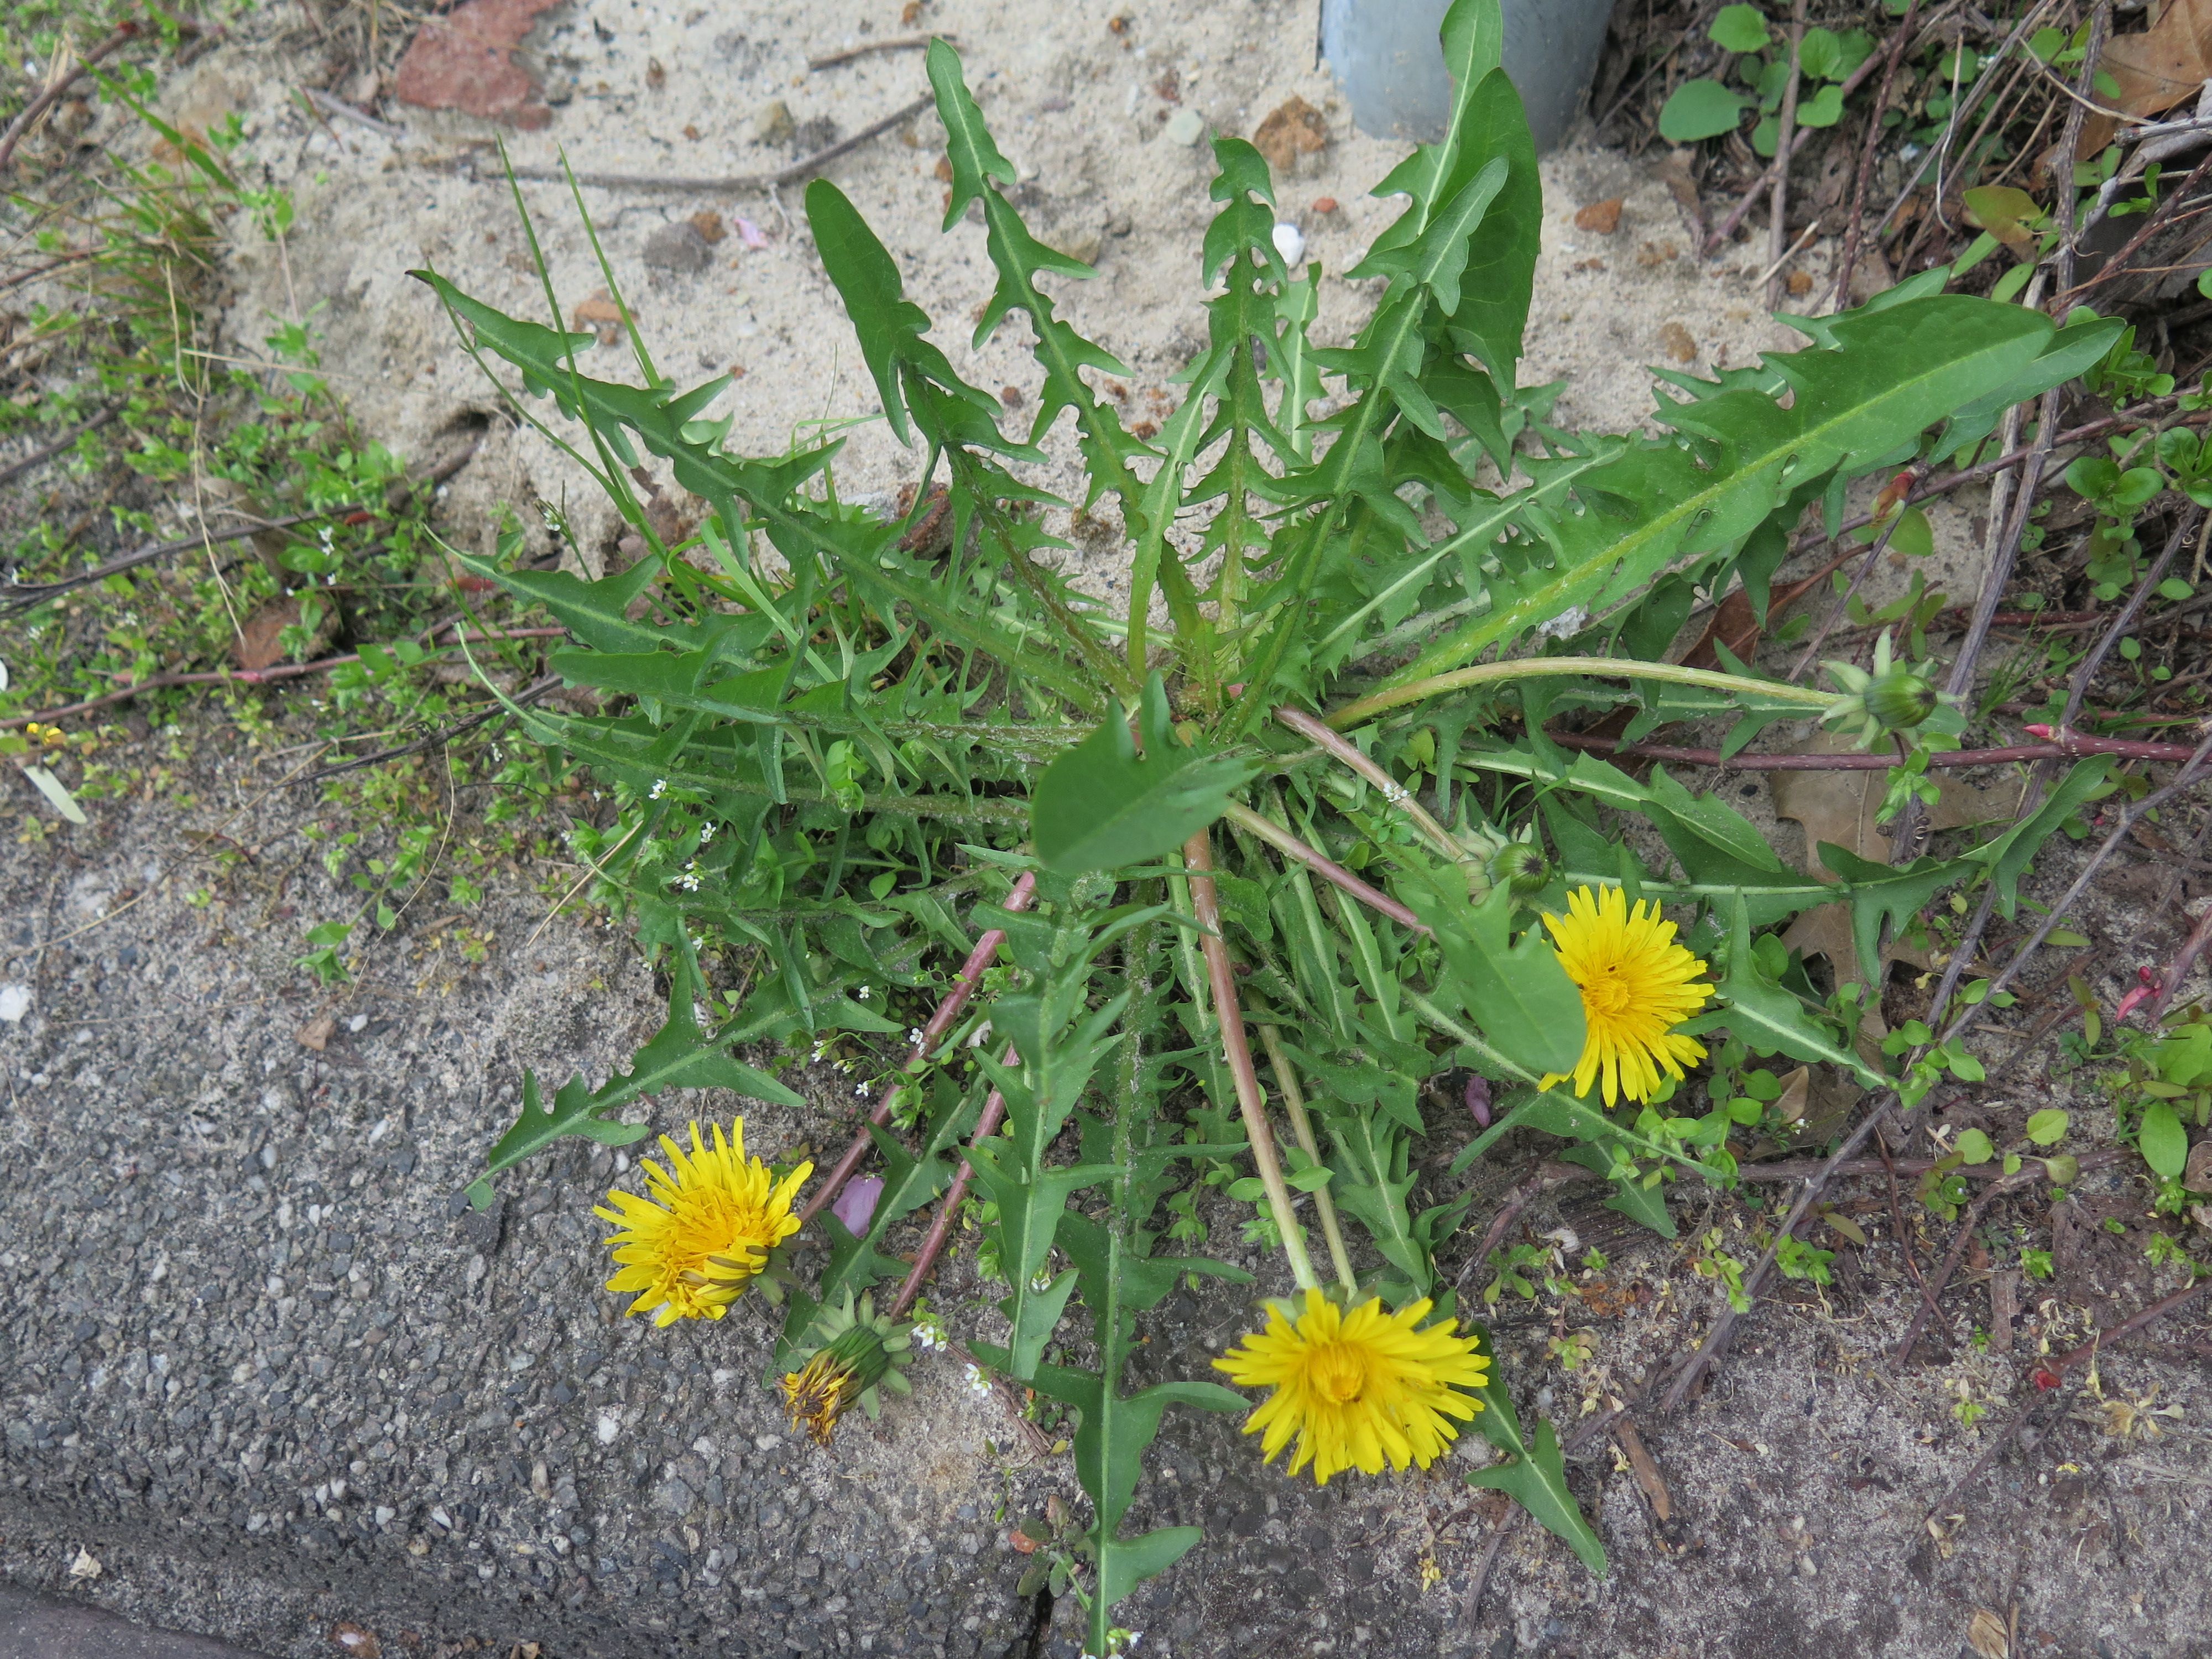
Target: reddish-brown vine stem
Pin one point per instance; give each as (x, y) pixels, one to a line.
(940, 1230)
(948, 1011)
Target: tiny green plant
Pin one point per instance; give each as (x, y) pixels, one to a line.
(1132, 907)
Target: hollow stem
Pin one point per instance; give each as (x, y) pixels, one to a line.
(1393, 791)
(1302, 1126)
(941, 1229)
(1618, 668)
(1237, 1051)
(1321, 864)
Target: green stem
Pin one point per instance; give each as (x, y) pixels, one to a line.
(1394, 792)
(1302, 1126)
(1620, 668)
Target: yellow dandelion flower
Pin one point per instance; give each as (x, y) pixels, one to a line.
(1637, 985)
(689, 1248)
(1359, 1389)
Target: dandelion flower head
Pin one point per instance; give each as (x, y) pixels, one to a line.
(1636, 985)
(704, 1228)
(1357, 1390)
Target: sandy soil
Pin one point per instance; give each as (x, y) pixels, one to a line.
(1077, 107)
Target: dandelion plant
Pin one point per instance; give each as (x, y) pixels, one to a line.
(1116, 915)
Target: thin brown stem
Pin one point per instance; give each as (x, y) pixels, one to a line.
(948, 1012)
(2183, 529)
(1783, 155)
(124, 33)
(1856, 231)
(1873, 553)
(1973, 1220)
(1777, 231)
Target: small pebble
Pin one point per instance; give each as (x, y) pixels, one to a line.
(1185, 127)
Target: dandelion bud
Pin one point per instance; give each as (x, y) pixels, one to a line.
(1900, 700)
(1894, 697)
(1521, 867)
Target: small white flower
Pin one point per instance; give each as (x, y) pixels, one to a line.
(915, 1036)
(706, 832)
(977, 1382)
(863, 992)
(1395, 794)
(861, 1090)
(692, 876)
(927, 1336)
(659, 787)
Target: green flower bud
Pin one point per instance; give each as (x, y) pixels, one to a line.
(1899, 700)
(1521, 867)
(1894, 697)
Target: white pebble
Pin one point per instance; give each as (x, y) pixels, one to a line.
(14, 1002)
(610, 1427)
(1291, 243)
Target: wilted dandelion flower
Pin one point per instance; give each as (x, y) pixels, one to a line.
(1636, 985)
(704, 1229)
(1357, 1390)
(859, 1352)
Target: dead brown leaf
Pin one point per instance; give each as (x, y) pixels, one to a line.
(1842, 808)
(1987, 1635)
(2197, 1175)
(257, 645)
(1678, 343)
(317, 1032)
(1293, 128)
(357, 1641)
(1599, 218)
(1797, 1090)
(1646, 1471)
(709, 223)
(2155, 70)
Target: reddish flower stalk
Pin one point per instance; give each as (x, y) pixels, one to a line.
(1236, 1052)
(2060, 745)
(940, 1230)
(948, 1012)
(1321, 865)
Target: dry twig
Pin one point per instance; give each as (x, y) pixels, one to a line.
(731, 184)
